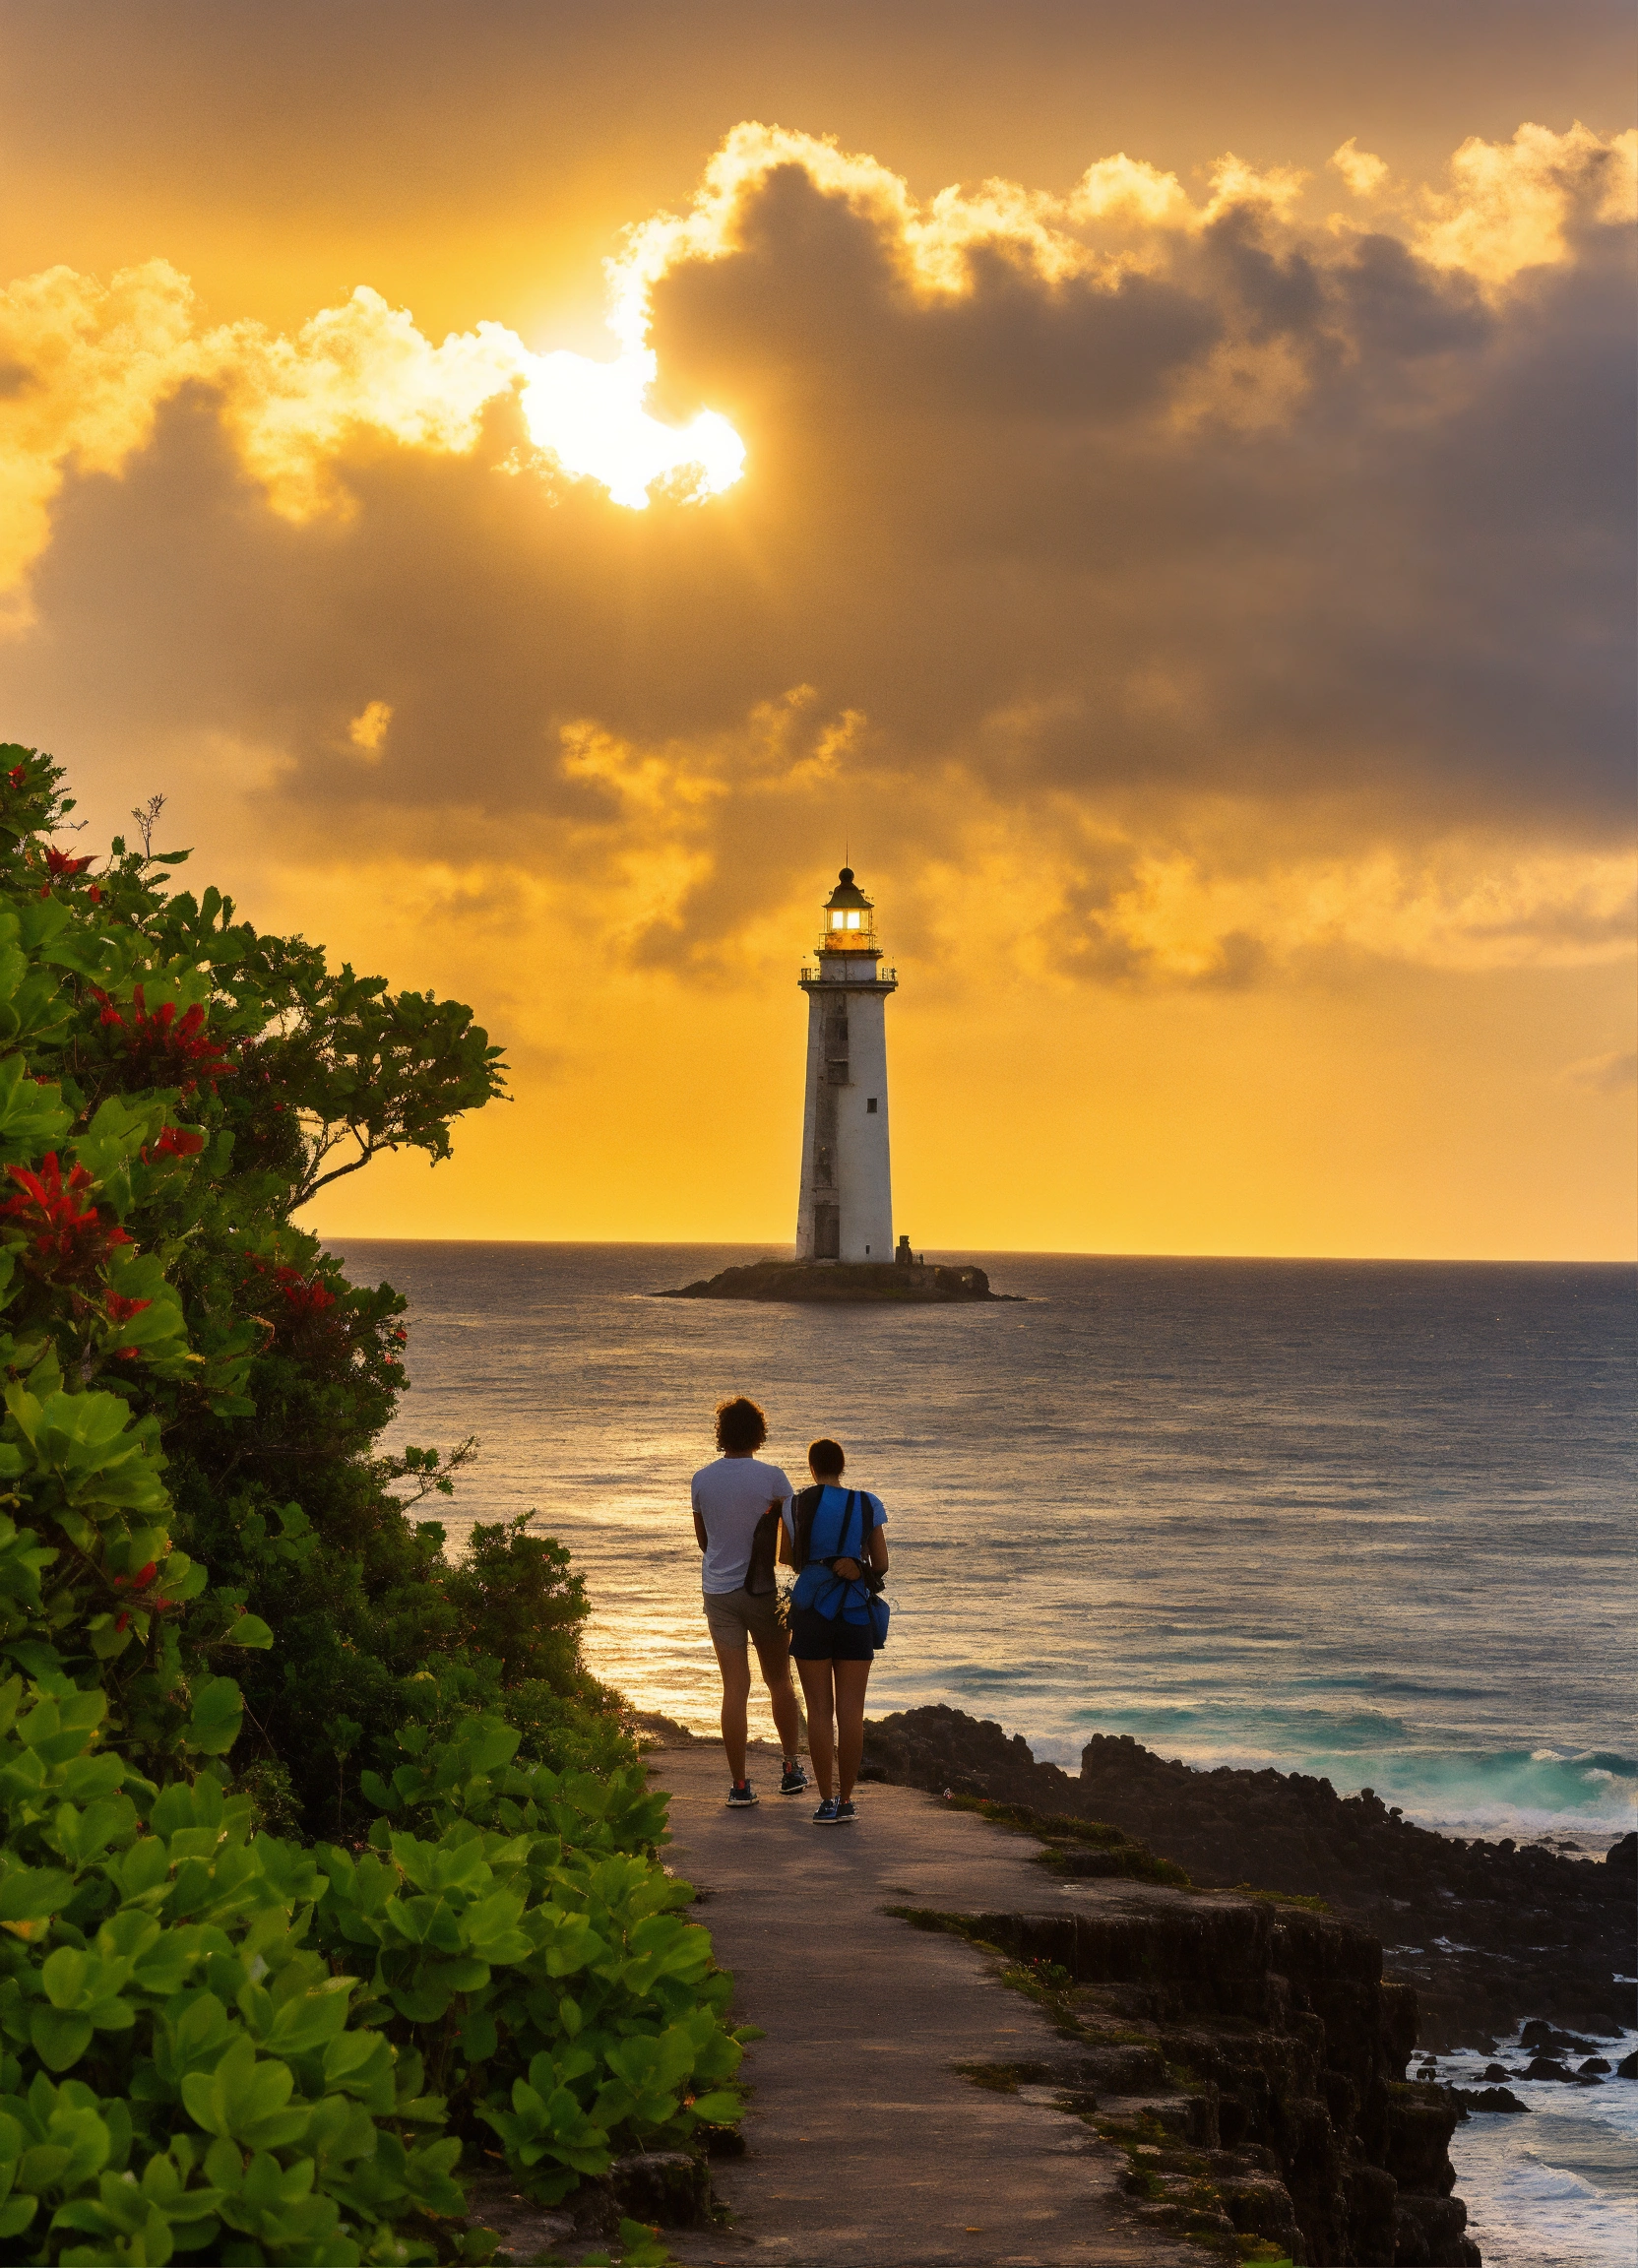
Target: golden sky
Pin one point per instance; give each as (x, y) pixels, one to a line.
(531, 484)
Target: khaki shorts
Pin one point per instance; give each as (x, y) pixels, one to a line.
(733, 1617)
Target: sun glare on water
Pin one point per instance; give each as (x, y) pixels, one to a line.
(591, 416)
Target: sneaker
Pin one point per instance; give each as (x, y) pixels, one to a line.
(741, 1796)
(795, 1782)
(846, 1812)
(826, 1814)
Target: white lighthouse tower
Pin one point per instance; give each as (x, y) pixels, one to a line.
(847, 1203)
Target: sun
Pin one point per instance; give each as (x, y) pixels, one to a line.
(593, 417)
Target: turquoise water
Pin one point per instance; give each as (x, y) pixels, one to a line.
(1369, 1519)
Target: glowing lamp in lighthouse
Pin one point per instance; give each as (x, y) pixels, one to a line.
(846, 1208)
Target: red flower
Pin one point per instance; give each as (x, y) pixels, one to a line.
(16, 774)
(95, 894)
(307, 1299)
(179, 1141)
(60, 866)
(172, 1044)
(69, 1238)
(120, 1620)
(121, 1309)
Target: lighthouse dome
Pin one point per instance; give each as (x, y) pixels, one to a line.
(846, 892)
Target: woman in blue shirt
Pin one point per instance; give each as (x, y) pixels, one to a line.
(832, 1536)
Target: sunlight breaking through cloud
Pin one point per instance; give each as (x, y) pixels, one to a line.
(591, 416)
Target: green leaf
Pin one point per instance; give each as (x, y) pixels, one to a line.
(218, 1714)
(247, 1630)
(59, 2041)
(31, 1893)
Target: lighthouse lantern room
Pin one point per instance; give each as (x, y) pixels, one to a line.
(846, 1211)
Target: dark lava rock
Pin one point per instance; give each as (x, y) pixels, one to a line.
(828, 1282)
(1546, 2067)
(1259, 2206)
(669, 2186)
(1497, 2071)
(1474, 2099)
(1487, 1934)
(1427, 2233)
(1627, 2067)
(1594, 2063)
(1543, 2039)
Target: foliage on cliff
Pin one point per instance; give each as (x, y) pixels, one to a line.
(215, 2041)
(177, 1085)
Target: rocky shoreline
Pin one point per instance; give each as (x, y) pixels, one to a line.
(891, 1282)
(1487, 1934)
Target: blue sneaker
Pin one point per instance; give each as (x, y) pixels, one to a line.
(846, 1812)
(794, 1781)
(826, 1815)
(741, 1796)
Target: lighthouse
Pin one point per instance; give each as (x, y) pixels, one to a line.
(846, 1211)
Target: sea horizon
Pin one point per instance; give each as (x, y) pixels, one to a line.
(336, 1240)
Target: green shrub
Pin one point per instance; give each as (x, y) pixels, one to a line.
(216, 2038)
(213, 2040)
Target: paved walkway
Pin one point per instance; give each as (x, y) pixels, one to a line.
(867, 2148)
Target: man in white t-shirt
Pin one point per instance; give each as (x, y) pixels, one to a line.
(737, 1505)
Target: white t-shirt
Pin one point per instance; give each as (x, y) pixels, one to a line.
(730, 1497)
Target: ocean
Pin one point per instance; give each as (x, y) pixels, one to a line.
(1365, 1520)
(1368, 1520)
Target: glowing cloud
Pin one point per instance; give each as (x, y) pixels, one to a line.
(86, 364)
(367, 732)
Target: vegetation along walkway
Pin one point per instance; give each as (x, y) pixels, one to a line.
(867, 2146)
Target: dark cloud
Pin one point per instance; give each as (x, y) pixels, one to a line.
(1293, 519)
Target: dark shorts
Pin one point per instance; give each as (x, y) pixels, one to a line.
(815, 1637)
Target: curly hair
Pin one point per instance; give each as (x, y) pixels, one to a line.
(740, 1425)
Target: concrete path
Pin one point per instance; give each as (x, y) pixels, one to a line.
(867, 2148)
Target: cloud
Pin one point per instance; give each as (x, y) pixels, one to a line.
(85, 368)
(1613, 1074)
(1364, 172)
(1515, 205)
(1219, 596)
(367, 732)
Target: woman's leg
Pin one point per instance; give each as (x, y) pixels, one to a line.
(852, 1677)
(821, 1741)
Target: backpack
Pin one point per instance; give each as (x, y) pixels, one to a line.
(855, 1599)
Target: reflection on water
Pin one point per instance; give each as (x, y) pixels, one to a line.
(1357, 1518)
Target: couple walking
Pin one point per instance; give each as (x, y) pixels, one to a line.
(747, 1517)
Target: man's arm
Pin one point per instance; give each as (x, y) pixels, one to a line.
(700, 1536)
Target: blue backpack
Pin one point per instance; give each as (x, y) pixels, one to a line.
(838, 1532)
